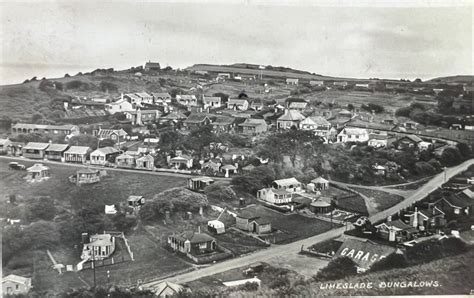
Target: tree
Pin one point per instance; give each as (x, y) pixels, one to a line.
(450, 157)
(154, 210)
(218, 192)
(464, 150)
(392, 261)
(84, 140)
(336, 269)
(123, 223)
(224, 97)
(199, 139)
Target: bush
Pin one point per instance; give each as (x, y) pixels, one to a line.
(336, 269)
(390, 262)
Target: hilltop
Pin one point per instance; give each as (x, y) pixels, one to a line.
(453, 79)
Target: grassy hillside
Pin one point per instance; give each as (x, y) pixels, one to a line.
(453, 79)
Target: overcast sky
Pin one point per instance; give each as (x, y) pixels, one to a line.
(55, 37)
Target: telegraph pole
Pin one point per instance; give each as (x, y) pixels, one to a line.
(93, 265)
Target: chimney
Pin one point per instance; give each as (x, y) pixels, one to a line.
(121, 96)
(389, 219)
(199, 229)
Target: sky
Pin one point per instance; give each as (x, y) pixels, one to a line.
(373, 39)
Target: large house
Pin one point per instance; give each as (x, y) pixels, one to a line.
(253, 126)
(351, 134)
(192, 243)
(15, 285)
(289, 119)
(238, 104)
(212, 102)
(101, 156)
(34, 150)
(141, 117)
(65, 130)
(98, 247)
(275, 196)
(119, 106)
(77, 154)
(288, 184)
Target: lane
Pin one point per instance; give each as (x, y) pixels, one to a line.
(277, 251)
(73, 165)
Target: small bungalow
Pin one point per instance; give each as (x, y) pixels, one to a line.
(181, 161)
(13, 285)
(427, 219)
(212, 102)
(395, 230)
(77, 154)
(223, 124)
(289, 184)
(318, 124)
(141, 117)
(4, 144)
(378, 140)
(379, 169)
(248, 221)
(192, 243)
(256, 105)
(125, 160)
(112, 134)
(253, 126)
(320, 183)
(35, 150)
(342, 84)
(101, 156)
(228, 169)
(198, 183)
(161, 97)
(275, 196)
(351, 134)
(321, 205)
(135, 202)
(408, 141)
(316, 83)
(213, 165)
(237, 104)
(98, 247)
(38, 171)
(187, 100)
(292, 81)
(297, 104)
(56, 152)
(146, 162)
(86, 176)
(196, 120)
(289, 119)
(410, 125)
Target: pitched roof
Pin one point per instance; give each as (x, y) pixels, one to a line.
(17, 279)
(320, 121)
(196, 118)
(236, 101)
(369, 249)
(186, 97)
(57, 147)
(105, 150)
(43, 126)
(223, 120)
(377, 136)
(354, 131)
(287, 181)
(291, 115)
(162, 286)
(396, 224)
(207, 99)
(319, 180)
(36, 146)
(321, 202)
(161, 94)
(108, 132)
(175, 115)
(4, 141)
(87, 171)
(229, 167)
(101, 240)
(146, 157)
(37, 167)
(143, 94)
(194, 237)
(78, 150)
(202, 178)
(413, 138)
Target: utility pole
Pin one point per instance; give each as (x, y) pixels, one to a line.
(93, 265)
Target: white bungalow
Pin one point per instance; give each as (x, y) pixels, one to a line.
(351, 134)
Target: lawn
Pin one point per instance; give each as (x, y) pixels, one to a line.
(381, 200)
(292, 227)
(114, 188)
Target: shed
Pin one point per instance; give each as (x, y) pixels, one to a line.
(38, 171)
(321, 205)
(216, 226)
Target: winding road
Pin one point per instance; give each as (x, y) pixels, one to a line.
(290, 251)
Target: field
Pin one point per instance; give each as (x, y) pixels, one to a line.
(291, 227)
(380, 200)
(114, 188)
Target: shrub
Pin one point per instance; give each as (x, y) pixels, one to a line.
(336, 269)
(390, 262)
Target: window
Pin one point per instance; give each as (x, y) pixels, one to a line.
(202, 245)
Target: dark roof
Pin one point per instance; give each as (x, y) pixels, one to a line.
(458, 201)
(194, 237)
(413, 138)
(261, 221)
(57, 147)
(196, 118)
